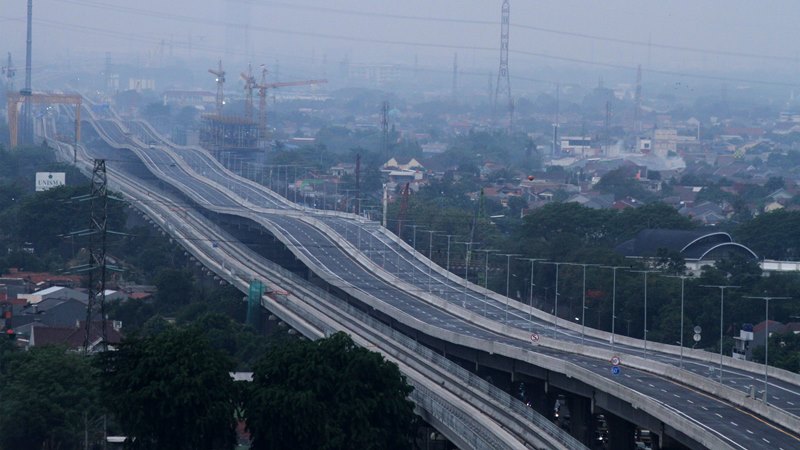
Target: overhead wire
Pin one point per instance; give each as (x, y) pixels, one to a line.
(196, 20)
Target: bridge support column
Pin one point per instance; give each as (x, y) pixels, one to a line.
(538, 398)
(621, 433)
(581, 418)
(666, 442)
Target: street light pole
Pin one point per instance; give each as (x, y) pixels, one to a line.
(486, 281)
(683, 283)
(645, 272)
(721, 317)
(430, 253)
(614, 303)
(447, 267)
(583, 299)
(508, 279)
(555, 309)
(468, 245)
(530, 300)
(766, 340)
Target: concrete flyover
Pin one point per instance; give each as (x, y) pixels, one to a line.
(457, 311)
(466, 414)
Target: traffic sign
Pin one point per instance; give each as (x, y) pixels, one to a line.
(535, 338)
(615, 370)
(696, 337)
(615, 360)
(697, 329)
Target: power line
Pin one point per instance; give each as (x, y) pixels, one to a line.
(528, 27)
(292, 32)
(647, 44)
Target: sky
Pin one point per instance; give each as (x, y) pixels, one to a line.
(687, 36)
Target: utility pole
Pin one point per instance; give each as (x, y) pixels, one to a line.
(683, 285)
(721, 317)
(27, 113)
(508, 279)
(530, 310)
(358, 184)
(455, 77)
(503, 84)
(583, 298)
(555, 309)
(614, 302)
(645, 272)
(557, 120)
(766, 339)
(385, 129)
(637, 100)
(486, 281)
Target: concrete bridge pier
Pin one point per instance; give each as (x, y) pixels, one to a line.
(621, 433)
(582, 422)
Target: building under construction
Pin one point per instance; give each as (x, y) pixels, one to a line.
(222, 132)
(229, 133)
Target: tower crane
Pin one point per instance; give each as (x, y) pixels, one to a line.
(220, 74)
(10, 72)
(249, 85)
(262, 96)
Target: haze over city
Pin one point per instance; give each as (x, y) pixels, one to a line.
(439, 224)
(730, 39)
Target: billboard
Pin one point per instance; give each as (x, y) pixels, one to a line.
(49, 180)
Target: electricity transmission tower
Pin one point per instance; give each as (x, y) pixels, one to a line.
(503, 84)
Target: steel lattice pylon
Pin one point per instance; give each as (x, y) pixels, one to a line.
(503, 84)
(97, 251)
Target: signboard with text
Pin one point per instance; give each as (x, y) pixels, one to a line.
(49, 180)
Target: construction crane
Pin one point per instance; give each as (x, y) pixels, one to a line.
(249, 85)
(15, 100)
(220, 74)
(10, 72)
(262, 96)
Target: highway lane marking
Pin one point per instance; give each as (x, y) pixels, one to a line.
(734, 423)
(718, 415)
(765, 440)
(748, 431)
(790, 403)
(663, 390)
(793, 436)
(690, 401)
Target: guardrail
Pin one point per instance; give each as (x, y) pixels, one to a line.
(436, 332)
(466, 428)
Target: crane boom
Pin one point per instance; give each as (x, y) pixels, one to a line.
(220, 74)
(262, 95)
(294, 83)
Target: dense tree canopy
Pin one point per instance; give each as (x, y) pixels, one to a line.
(46, 397)
(774, 235)
(328, 394)
(171, 390)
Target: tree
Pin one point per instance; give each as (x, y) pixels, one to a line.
(174, 286)
(171, 390)
(45, 394)
(328, 394)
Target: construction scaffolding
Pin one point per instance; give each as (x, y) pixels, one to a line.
(229, 133)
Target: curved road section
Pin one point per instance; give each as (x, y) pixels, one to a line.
(381, 271)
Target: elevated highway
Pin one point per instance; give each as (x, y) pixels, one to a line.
(466, 409)
(363, 260)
